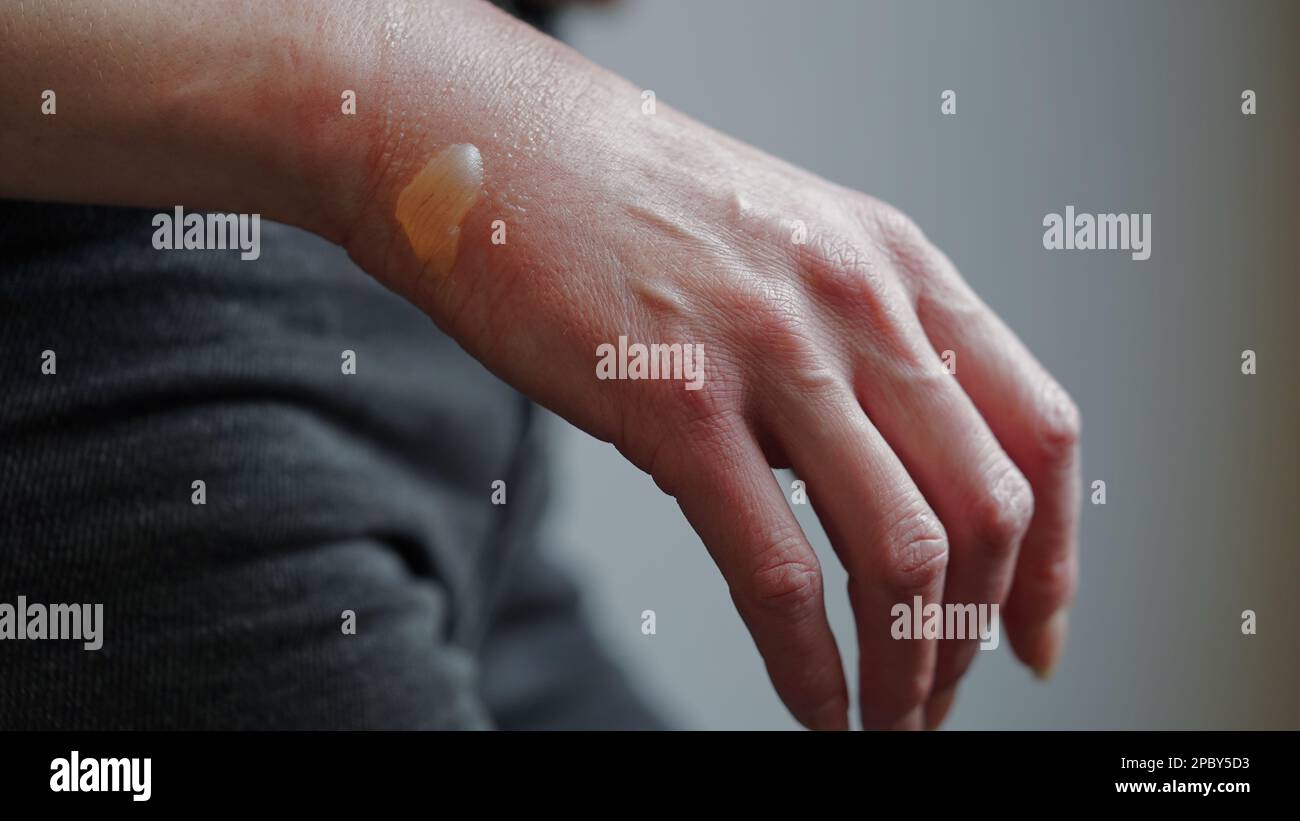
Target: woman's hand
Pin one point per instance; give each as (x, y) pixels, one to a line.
(819, 310)
(821, 314)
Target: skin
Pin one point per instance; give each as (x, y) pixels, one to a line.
(820, 356)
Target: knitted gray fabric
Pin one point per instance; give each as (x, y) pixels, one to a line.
(325, 492)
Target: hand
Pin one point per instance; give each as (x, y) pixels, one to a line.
(820, 355)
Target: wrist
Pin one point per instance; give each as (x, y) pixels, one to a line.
(463, 75)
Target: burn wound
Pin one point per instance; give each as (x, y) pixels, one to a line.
(432, 206)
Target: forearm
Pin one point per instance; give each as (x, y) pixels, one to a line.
(239, 107)
(157, 106)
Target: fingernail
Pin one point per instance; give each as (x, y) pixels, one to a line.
(1051, 641)
(937, 709)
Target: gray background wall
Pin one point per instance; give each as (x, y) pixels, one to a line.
(1109, 106)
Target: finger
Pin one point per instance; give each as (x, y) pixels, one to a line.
(733, 501)
(936, 709)
(1038, 425)
(983, 500)
(888, 539)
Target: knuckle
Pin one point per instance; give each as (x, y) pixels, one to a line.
(917, 557)
(770, 319)
(851, 284)
(840, 271)
(814, 384)
(1059, 424)
(709, 412)
(788, 353)
(705, 406)
(1002, 515)
(787, 583)
(899, 232)
(909, 250)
